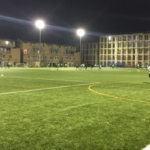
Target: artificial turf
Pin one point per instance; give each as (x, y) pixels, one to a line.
(69, 109)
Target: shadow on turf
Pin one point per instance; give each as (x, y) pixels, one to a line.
(146, 82)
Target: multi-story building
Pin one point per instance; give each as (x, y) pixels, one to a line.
(122, 50)
(42, 54)
(9, 52)
(90, 53)
(125, 50)
(35, 54)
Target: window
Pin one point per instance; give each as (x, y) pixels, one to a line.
(129, 51)
(139, 57)
(109, 51)
(129, 57)
(134, 37)
(129, 38)
(145, 51)
(146, 43)
(140, 51)
(119, 51)
(124, 51)
(118, 57)
(139, 44)
(145, 57)
(109, 57)
(119, 38)
(90, 45)
(146, 37)
(124, 57)
(94, 45)
(124, 44)
(124, 38)
(119, 44)
(129, 44)
(109, 45)
(140, 37)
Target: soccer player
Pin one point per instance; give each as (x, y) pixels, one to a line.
(138, 67)
(100, 66)
(149, 70)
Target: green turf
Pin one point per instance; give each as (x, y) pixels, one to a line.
(69, 109)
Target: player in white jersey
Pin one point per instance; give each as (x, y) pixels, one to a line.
(149, 70)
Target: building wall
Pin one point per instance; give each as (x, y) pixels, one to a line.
(90, 53)
(37, 55)
(127, 49)
(48, 53)
(8, 53)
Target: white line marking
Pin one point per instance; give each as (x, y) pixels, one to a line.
(44, 89)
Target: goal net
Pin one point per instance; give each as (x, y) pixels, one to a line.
(21, 64)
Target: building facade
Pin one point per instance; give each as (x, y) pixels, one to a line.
(125, 50)
(121, 50)
(37, 55)
(90, 53)
(9, 52)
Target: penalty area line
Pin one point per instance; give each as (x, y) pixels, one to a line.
(42, 89)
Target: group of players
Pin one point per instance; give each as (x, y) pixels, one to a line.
(99, 67)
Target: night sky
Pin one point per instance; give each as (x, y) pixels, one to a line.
(63, 17)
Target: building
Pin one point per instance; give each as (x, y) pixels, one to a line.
(125, 50)
(90, 53)
(37, 55)
(9, 53)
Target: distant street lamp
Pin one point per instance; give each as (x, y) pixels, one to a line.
(80, 33)
(40, 25)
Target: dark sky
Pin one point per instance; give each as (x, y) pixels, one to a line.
(63, 17)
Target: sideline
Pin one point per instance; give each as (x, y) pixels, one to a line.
(113, 96)
(42, 89)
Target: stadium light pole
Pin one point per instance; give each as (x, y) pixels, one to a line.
(40, 25)
(80, 33)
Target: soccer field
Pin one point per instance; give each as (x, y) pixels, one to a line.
(69, 109)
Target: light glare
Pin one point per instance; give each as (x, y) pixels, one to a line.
(7, 42)
(80, 32)
(40, 24)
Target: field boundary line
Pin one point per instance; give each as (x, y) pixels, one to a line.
(113, 96)
(42, 89)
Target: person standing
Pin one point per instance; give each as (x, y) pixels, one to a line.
(138, 67)
(100, 66)
(148, 71)
(113, 66)
(77, 67)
